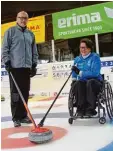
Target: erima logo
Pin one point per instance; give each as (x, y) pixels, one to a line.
(109, 12)
(79, 19)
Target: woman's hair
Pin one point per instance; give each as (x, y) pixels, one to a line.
(88, 43)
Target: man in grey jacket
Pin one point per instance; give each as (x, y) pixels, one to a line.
(19, 54)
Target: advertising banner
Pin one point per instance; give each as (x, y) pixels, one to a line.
(36, 25)
(83, 21)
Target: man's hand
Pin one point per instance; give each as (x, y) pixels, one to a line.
(74, 68)
(8, 66)
(33, 70)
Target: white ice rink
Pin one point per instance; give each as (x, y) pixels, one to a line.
(82, 135)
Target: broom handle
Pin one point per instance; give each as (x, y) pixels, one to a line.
(42, 121)
(23, 100)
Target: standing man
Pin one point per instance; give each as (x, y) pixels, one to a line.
(19, 54)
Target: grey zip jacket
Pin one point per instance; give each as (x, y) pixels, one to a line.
(19, 47)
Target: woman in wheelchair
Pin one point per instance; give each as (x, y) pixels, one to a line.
(87, 79)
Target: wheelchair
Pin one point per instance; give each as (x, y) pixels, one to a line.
(104, 102)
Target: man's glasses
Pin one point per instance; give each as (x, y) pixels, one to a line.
(23, 18)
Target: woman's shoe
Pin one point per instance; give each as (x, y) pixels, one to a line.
(80, 113)
(91, 113)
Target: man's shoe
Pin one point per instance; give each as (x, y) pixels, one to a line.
(17, 123)
(26, 120)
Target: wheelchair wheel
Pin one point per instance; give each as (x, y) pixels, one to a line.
(71, 99)
(102, 120)
(70, 104)
(109, 99)
(70, 120)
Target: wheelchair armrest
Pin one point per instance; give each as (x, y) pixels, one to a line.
(73, 82)
(102, 76)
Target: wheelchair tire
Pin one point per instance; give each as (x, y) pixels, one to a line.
(70, 120)
(109, 99)
(70, 101)
(70, 106)
(102, 120)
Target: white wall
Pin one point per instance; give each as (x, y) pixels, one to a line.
(50, 77)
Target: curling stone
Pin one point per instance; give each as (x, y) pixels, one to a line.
(40, 135)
